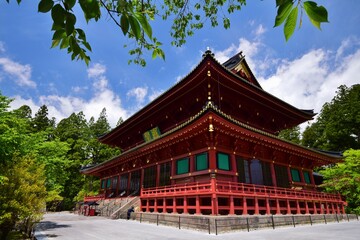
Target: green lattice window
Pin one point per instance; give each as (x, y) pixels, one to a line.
(108, 183)
(182, 166)
(223, 161)
(201, 162)
(295, 175)
(307, 177)
(103, 183)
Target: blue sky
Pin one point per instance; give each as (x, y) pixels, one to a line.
(305, 71)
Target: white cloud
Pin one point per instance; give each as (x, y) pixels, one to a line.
(20, 73)
(259, 31)
(155, 94)
(249, 49)
(139, 93)
(312, 79)
(63, 106)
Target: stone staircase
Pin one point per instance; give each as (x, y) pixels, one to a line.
(117, 208)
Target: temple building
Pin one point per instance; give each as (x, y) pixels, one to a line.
(209, 146)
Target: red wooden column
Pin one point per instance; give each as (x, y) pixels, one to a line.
(155, 205)
(289, 174)
(312, 177)
(212, 159)
(298, 210)
(306, 207)
(233, 166)
(147, 205)
(278, 212)
(257, 212)
(288, 206)
(245, 209)
(214, 202)
(232, 208)
(315, 208)
(185, 205)
(197, 206)
(273, 174)
(327, 208)
(321, 208)
(164, 205)
(174, 205)
(268, 212)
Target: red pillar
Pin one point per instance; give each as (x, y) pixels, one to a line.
(185, 205)
(164, 205)
(288, 206)
(312, 177)
(306, 207)
(155, 205)
(233, 167)
(315, 208)
(256, 206)
(212, 159)
(289, 174)
(268, 212)
(278, 207)
(245, 210)
(174, 205)
(214, 202)
(327, 208)
(273, 174)
(198, 211)
(173, 170)
(298, 210)
(232, 208)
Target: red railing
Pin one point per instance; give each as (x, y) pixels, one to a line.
(94, 198)
(239, 189)
(178, 189)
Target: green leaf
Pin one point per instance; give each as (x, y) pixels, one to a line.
(316, 24)
(55, 43)
(124, 23)
(281, 2)
(64, 43)
(45, 6)
(69, 4)
(290, 23)
(135, 27)
(144, 23)
(58, 14)
(59, 34)
(81, 33)
(283, 13)
(316, 13)
(70, 23)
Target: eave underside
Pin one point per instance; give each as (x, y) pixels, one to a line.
(226, 134)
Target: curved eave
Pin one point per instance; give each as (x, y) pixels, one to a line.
(209, 107)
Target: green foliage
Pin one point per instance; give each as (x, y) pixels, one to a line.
(338, 126)
(22, 198)
(288, 12)
(292, 134)
(134, 19)
(344, 178)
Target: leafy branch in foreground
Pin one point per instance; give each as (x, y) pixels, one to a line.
(133, 17)
(288, 11)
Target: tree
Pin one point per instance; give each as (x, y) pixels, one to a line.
(292, 134)
(41, 121)
(22, 198)
(344, 178)
(134, 17)
(338, 126)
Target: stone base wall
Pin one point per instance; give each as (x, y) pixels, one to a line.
(221, 224)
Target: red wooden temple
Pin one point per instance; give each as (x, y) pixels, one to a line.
(209, 145)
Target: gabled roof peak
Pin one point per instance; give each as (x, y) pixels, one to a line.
(208, 52)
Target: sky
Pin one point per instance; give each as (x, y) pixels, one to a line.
(305, 71)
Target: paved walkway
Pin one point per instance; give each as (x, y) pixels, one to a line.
(64, 225)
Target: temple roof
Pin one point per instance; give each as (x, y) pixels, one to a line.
(231, 86)
(251, 133)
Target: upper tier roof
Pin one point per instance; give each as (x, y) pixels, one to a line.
(231, 86)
